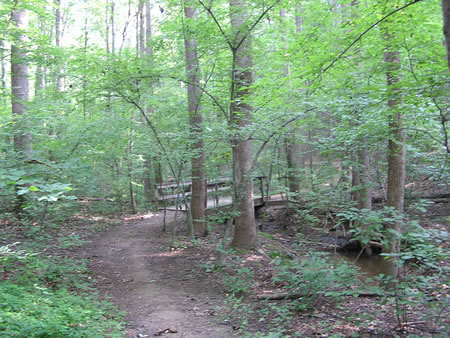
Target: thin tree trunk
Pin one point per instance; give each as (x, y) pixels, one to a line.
(3, 64)
(108, 50)
(446, 28)
(363, 187)
(130, 167)
(141, 25)
(20, 86)
(59, 78)
(365, 201)
(147, 54)
(39, 84)
(149, 183)
(356, 181)
(241, 118)
(58, 36)
(198, 200)
(84, 78)
(113, 28)
(148, 30)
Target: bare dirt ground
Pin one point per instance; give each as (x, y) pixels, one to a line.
(160, 288)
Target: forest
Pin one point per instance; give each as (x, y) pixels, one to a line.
(212, 168)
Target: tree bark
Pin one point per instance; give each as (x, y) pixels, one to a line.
(130, 149)
(113, 27)
(241, 118)
(147, 50)
(58, 35)
(365, 201)
(292, 145)
(446, 28)
(148, 30)
(3, 64)
(356, 181)
(396, 147)
(20, 86)
(198, 200)
(141, 25)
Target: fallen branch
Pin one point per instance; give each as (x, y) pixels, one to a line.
(283, 296)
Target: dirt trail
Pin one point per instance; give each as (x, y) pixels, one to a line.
(163, 291)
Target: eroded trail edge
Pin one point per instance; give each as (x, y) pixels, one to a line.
(162, 290)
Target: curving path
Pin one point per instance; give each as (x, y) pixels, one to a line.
(164, 292)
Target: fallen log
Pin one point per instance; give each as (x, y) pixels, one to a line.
(439, 198)
(284, 296)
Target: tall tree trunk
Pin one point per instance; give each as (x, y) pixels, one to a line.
(20, 86)
(147, 54)
(241, 117)
(130, 149)
(365, 201)
(19, 95)
(3, 64)
(113, 28)
(198, 200)
(149, 182)
(148, 30)
(292, 145)
(84, 77)
(107, 19)
(361, 184)
(59, 80)
(396, 147)
(293, 161)
(39, 84)
(363, 188)
(356, 180)
(446, 17)
(58, 36)
(141, 25)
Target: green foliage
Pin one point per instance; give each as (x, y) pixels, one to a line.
(418, 245)
(372, 225)
(37, 311)
(35, 190)
(415, 296)
(238, 310)
(238, 282)
(47, 297)
(315, 276)
(70, 241)
(423, 248)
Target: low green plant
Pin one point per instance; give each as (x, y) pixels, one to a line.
(39, 311)
(70, 241)
(238, 282)
(238, 311)
(423, 247)
(50, 297)
(415, 298)
(314, 276)
(371, 225)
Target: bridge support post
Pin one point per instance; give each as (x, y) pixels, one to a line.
(261, 186)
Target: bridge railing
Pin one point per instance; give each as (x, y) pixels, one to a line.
(218, 191)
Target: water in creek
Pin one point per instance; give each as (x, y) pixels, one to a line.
(370, 266)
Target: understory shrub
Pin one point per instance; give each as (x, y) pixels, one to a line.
(50, 297)
(315, 276)
(38, 311)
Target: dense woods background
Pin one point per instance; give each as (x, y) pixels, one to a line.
(338, 104)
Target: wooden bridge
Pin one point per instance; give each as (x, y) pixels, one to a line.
(218, 194)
